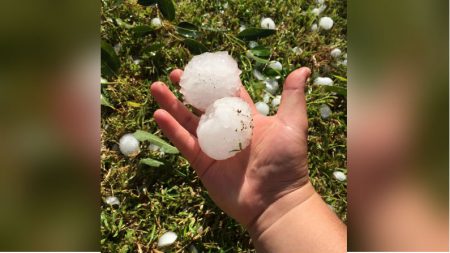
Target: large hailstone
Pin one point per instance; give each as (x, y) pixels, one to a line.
(326, 23)
(262, 108)
(226, 128)
(208, 77)
(268, 23)
(129, 145)
(167, 239)
(336, 52)
(323, 81)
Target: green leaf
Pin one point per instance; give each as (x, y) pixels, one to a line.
(194, 46)
(343, 79)
(255, 33)
(110, 61)
(167, 8)
(146, 136)
(104, 101)
(339, 90)
(187, 30)
(147, 2)
(142, 30)
(261, 51)
(151, 162)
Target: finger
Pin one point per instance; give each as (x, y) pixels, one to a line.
(175, 76)
(186, 143)
(246, 97)
(167, 100)
(292, 109)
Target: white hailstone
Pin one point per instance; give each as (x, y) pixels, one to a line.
(129, 145)
(267, 23)
(336, 52)
(276, 65)
(111, 200)
(208, 77)
(153, 147)
(318, 11)
(276, 101)
(137, 61)
(258, 75)
(242, 28)
(167, 239)
(271, 86)
(297, 50)
(226, 128)
(252, 44)
(344, 62)
(325, 111)
(323, 81)
(326, 23)
(262, 108)
(266, 98)
(339, 175)
(314, 27)
(156, 22)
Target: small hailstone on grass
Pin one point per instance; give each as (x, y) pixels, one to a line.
(167, 239)
(208, 77)
(267, 23)
(318, 11)
(271, 86)
(276, 65)
(111, 200)
(326, 23)
(262, 108)
(323, 81)
(156, 22)
(344, 62)
(137, 61)
(242, 28)
(258, 75)
(339, 175)
(336, 52)
(325, 111)
(297, 50)
(129, 145)
(276, 101)
(314, 27)
(153, 147)
(252, 44)
(226, 128)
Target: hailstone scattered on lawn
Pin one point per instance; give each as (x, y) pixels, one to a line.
(242, 28)
(208, 77)
(167, 239)
(326, 23)
(336, 52)
(267, 23)
(129, 145)
(252, 44)
(339, 175)
(271, 85)
(262, 108)
(318, 11)
(323, 81)
(314, 27)
(276, 101)
(111, 200)
(276, 65)
(226, 128)
(297, 50)
(156, 22)
(344, 62)
(325, 111)
(266, 98)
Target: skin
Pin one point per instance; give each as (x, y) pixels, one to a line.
(265, 187)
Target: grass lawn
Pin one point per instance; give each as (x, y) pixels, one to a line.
(169, 197)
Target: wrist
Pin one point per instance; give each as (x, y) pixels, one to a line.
(278, 209)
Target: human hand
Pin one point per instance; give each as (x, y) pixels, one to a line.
(272, 169)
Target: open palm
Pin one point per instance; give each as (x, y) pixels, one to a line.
(272, 166)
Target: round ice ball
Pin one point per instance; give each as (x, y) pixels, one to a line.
(156, 22)
(276, 65)
(340, 176)
(208, 77)
(129, 145)
(167, 239)
(267, 23)
(226, 128)
(336, 52)
(326, 23)
(323, 81)
(325, 111)
(262, 108)
(314, 27)
(276, 101)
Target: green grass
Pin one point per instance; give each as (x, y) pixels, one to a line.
(170, 197)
